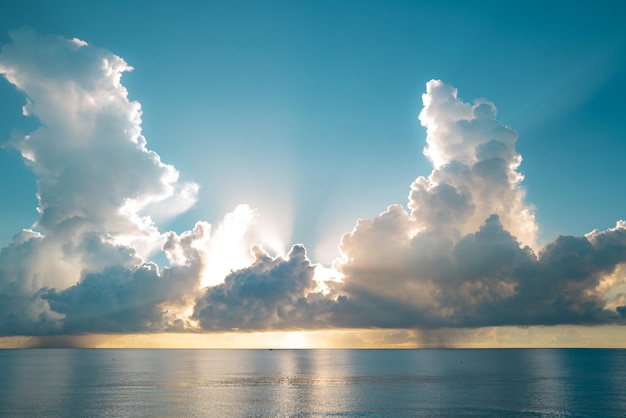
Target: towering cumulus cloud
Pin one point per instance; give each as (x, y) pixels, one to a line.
(461, 253)
(475, 169)
(97, 183)
(462, 256)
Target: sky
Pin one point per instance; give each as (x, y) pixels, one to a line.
(312, 174)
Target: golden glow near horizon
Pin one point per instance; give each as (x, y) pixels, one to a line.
(610, 336)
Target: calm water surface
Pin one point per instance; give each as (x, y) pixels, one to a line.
(311, 383)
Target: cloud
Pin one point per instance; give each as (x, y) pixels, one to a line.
(94, 170)
(271, 294)
(138, 299)
(83, 268)
(485, 279)
(475, 170)
(461, 254)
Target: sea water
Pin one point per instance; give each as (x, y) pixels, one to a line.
(312, 383)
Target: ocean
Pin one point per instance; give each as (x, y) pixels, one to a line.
(313, 383)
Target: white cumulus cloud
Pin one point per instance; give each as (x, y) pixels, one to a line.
(100, 189)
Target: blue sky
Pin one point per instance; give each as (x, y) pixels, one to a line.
(308, 111)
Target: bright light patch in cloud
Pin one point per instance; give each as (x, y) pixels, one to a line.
(325, 277)
(228, 248)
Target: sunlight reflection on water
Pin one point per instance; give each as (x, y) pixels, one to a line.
(243, 383)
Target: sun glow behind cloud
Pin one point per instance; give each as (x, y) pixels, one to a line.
(228, 248)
